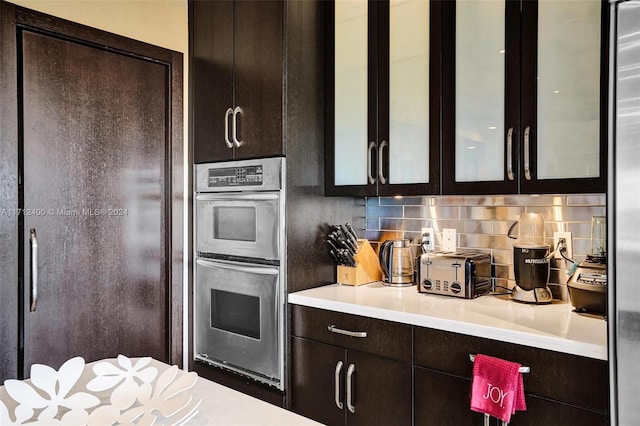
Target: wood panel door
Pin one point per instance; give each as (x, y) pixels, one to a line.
(258, 77)
(211, 43)
(314, 371)
(98, 157)
(238, 66)
(381, 392)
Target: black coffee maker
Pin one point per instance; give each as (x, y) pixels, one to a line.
(530, 260)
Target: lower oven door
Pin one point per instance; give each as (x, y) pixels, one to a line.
(238, 318)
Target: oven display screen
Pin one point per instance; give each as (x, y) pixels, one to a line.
(236, 313)
(235, 176)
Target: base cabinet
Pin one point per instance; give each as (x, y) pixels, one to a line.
(561, 389)
(336, 386)
(443, 399)
(350, 370)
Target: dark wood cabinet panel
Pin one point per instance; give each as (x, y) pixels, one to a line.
(313, 381)
(384, 338)
(381, 391)
(237, 57)
(211, 40)
(258, 58)
(380, 388)
(443, 399)
(564, 377)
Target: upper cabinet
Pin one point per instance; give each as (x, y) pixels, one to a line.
(524, 96)
(383, 96)
(237, 79)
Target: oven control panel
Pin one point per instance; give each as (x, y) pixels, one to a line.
(235, 176)
(263, 175)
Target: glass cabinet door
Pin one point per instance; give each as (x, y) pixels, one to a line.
(350, 93)
(524, 96)
(480, 100)
(409, 91)
(383, 133)
(480, 91)
(563, 139)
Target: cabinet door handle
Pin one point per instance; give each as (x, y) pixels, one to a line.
(350, 371)
(510, 154)
(527, 153)
(372, 146)
(34, 270)
(226, 128)
(336, 391)
(334, 329)
(382, 146)
(234, 126)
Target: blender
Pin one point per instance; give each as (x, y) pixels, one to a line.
(588, 284)
(530, 260)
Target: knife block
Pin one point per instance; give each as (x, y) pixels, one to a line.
(367, 269)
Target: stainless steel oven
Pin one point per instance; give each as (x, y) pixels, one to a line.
(239, 301)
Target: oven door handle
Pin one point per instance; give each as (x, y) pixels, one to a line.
(233, 266)
(264, 196)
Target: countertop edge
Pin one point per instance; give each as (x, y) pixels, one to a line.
(551, 343)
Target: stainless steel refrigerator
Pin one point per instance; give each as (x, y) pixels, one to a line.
(624, 214)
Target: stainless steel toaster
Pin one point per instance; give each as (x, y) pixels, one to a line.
(465, 275)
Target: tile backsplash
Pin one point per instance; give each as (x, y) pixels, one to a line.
(482, 222)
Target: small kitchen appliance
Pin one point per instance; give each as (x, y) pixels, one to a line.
(588, 283)
(530, 260)
(465, 275)
(397, 263)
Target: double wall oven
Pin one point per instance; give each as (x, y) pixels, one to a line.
(239, 285)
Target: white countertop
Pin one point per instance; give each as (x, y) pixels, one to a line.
(119, 391)
(554, 326)
(225, 406)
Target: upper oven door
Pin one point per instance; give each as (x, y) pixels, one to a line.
(242, 225)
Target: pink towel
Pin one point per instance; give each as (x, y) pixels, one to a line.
(497, 387)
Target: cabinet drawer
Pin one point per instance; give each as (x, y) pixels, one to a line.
(383, 338)
(563, 377)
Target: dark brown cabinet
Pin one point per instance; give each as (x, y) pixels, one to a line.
(237, 79)
(561, 389)
(443, 398)
(524, 97)
(383, 96)
(339, 377)
(400, 372)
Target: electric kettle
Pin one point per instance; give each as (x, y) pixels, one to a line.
(397, 263)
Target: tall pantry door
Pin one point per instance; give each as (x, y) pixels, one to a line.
(94, 189)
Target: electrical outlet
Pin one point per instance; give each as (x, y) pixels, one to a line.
(428, 239)
(557, 236)
(448, 239)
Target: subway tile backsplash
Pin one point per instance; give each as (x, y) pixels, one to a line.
(482, 222)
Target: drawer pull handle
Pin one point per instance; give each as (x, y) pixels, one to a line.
(334, 329)
(350, 371)
(336, 391)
